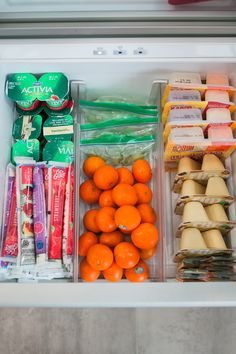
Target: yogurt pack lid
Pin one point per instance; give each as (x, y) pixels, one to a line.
(27, 87)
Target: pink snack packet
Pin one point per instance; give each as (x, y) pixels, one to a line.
(24, 180)
(68, 228)
(45, 181)
(40, 216)
(10, 243)
(10, 179)
(57, 178)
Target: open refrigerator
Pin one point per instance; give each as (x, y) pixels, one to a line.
(126, 50)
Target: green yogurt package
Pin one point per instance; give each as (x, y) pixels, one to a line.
(28, 87)
(27, 127)
(59, 151)
(34, 92)
(25, 148)
(58, 128)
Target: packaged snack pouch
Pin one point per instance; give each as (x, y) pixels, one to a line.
(24, 187)
(39, 213)
(9, 239)
(45, 182)
(68, 218)
(57, 179)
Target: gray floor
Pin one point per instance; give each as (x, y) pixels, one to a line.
(118, 331)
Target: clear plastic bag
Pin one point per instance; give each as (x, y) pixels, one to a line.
(100, 111)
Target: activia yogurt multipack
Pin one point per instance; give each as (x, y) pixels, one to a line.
(33, 93)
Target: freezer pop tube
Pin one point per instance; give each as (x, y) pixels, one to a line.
(39, 212)
(10, 241)
(68, 217)
(45, 182)
(26, 241)
(10, 178)
(57, 174)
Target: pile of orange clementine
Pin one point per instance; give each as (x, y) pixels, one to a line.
(120, 232)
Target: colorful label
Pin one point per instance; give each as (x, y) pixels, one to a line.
(25, 173)
(30, 112)
(203, 106)
(57, 104)
(63, 111)
(28, 105)
(26, 148)
(26, 87)
(200, 88)
(10, 246)
(175, 151)
(69, 216)
(57, 183)
(8, 199)
(27, 127)
(190, 124)
(45, 181)
(58, 128)
(40, 217)
(60, 151)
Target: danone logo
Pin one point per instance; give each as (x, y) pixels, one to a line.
(37, 89)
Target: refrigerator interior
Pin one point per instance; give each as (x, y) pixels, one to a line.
(129, 75)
